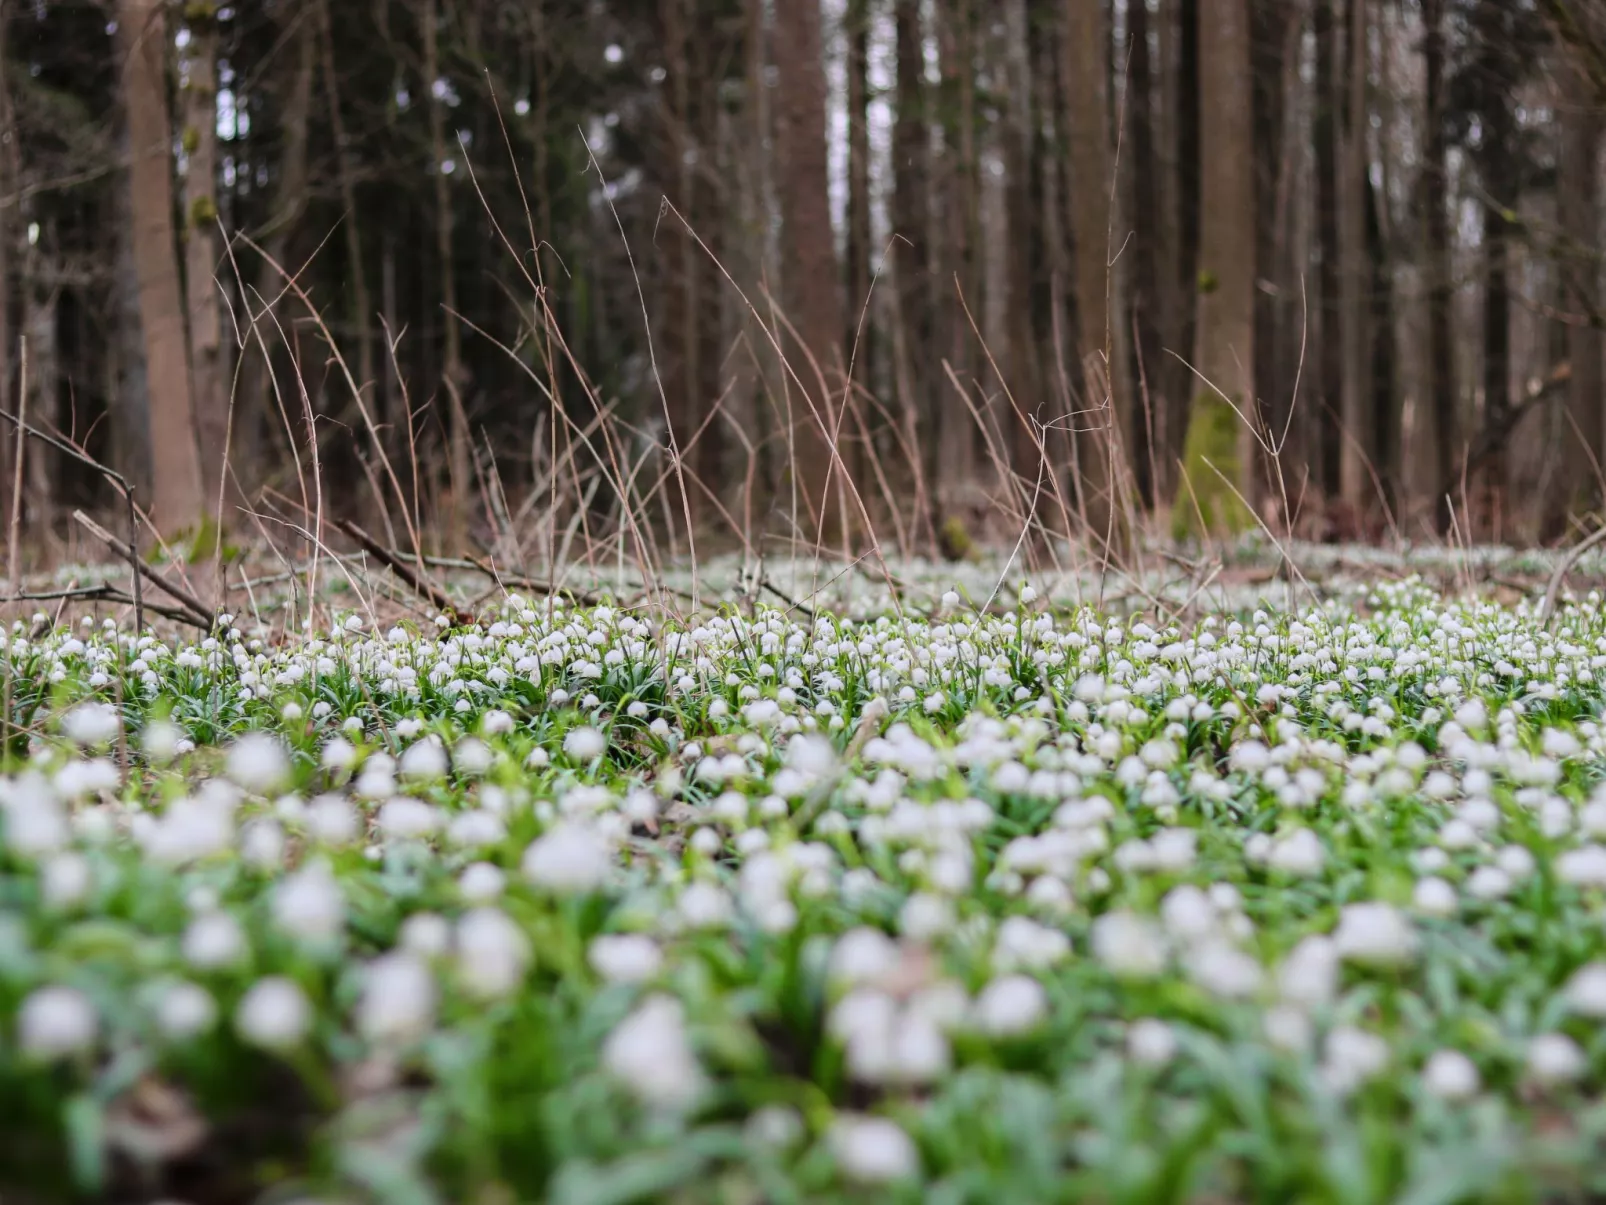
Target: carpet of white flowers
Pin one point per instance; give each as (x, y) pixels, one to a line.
(1034, 905)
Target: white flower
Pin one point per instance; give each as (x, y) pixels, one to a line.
(309, 904)
(1223, 969)
(481, 882)
(160, 741)
(584, 744)
(569, 859)
(1023, 944)
(1554, 1058)
(1433, 896)
(472, 757)
(873, 1150)
(64, 880)
(185, 1010)
(1451, 1075)
(1374, 934)
(423, 761)
(398, 999)
(1299, 852)
(331, 820)
(338, 755)
(1308, 977)
(862, 955)
(259, 763)
(1151, 1042)
(625, 957)
(1010, 1005)
(649, 1053)
(92, 725)
(492, 952)
(1586, 991)
(274, 1013)
(214, 940)
(427, 934)
(1353, 1056)
(55, 1022)
(1129, 945)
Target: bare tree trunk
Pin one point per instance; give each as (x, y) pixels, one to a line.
(1360, 445)
(1087, 137)
(1149, 461)
(1179, 39)
(453, 380)
(812, 281)
(915, 352)
(857, 25)
(1219, 441)
(956, 437)
(1445, 433)
(1273, 22)
(41, 295)
(178, 501)
(210, 393)
(1330, 308)
(1578, 202)
(1025, 225)
(362, 319)
(8, 156)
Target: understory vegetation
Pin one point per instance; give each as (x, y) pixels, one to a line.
(949, 902)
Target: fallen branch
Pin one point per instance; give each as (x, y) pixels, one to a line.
(197, 609)
(408, 575)
(106, 592)
(1567, 562)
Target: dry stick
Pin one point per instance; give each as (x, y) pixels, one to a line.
(104, 593)
(1567, 562)
(190, 603)
(112, 475)
(403, 570)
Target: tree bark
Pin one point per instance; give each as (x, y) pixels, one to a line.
(1219, 440)
(1087, 137)
(1360, 445)
(209, 390)
(177, 498)
(915, 354)
(453, 378)
(1149, 461)
(1444, 428)
(810, 264)
(1578, 203)
(1329, 308)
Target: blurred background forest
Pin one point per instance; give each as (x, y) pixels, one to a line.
(482, 270)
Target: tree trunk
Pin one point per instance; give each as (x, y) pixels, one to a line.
(453, 379)
(1087, 138)
(915, 354)
(1219, 440)
(9, 438)
(1179, 39)
(1149, 461)
(956, 432)
(1274, 22)
(1444, 428)
(209, 391)
(810, 265)
(177, 498)
(1495, 160)
(1329, 307)
(1360, 446)
(1577, 488)
(858, 336)
(362, 321)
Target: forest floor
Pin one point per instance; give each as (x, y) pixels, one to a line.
(1277, 875)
